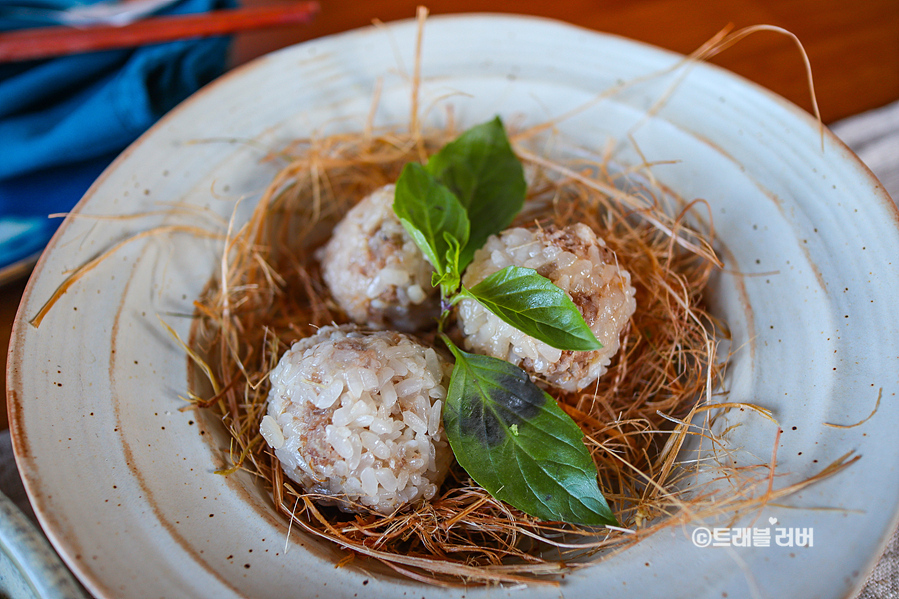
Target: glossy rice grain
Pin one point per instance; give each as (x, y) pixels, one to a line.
(578, 262)
(374, 270)
(356, 417)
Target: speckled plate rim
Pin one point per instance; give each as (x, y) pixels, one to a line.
(65, 530)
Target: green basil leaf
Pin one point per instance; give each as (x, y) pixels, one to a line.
(534, 305)
(432, 215)
(515, 441)
(452, 277)
(481, 169)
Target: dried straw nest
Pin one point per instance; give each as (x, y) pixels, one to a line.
(658, 390)
(633, 418)
(657, 393)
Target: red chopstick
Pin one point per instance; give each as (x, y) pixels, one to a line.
(44, 42)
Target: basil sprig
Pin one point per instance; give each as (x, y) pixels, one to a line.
(435, 219)
(481, 169)
(534, 305)
(517, 443)
(509, 435)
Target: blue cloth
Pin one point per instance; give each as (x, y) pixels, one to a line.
(63, 120)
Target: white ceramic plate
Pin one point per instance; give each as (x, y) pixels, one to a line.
(122, 480)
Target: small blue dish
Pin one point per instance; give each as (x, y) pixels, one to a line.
(29, 567)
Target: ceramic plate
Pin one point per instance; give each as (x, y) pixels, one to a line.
(123, 482)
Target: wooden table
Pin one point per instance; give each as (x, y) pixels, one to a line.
(853, 48)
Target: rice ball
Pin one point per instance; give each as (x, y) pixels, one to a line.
(578, 262)
(356, 416)
(375, 272)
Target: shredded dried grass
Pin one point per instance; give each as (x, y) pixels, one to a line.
(656, 396)
(635, 420)
(658, 393)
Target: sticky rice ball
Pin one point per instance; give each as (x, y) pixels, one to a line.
(375, 272)
(578, 262)
(357, 417)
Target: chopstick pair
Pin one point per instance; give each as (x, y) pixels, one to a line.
(46, 42)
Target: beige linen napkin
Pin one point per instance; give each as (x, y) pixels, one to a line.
(874, 136)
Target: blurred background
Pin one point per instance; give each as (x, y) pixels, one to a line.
(853, 46)
(63, 119)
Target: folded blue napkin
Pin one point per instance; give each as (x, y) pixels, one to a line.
(63, 120)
